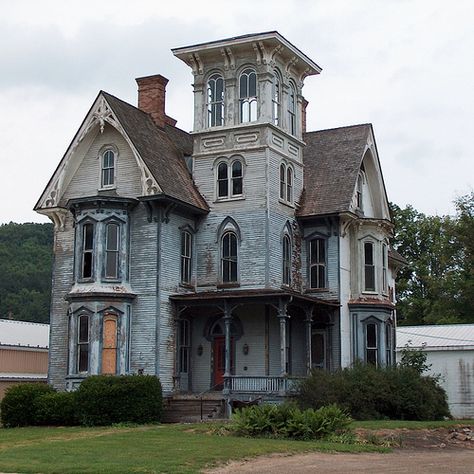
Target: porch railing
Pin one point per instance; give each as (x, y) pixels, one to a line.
(257, 384)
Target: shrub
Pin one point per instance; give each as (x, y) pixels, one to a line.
(18, 407)
(288, 421)
(106, 399)
(367, 392)
(57, 409)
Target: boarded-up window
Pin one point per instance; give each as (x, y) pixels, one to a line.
(109, 344)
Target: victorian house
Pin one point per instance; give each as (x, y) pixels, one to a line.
(232, 259)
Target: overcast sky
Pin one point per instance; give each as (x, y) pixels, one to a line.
(406, 66)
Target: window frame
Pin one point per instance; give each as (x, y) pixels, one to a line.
(276, 98)
(360, 192)
(371, 349)
(231, 181)
(105, 170)
(287, 252)
(80, 344)
(84, 252)
(251, 115)
(186, 257)
(320, 265)
(108, 251)
(213, 104)
(110, 316)
(369, 267)
(287, 179)
(184, 346)
(292, 109)
(231, 260)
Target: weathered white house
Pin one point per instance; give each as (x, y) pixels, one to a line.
(449, 350)
(233, 258)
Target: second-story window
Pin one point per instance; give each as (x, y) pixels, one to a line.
(292, 109)
(229, 257)
(236, 178)
(230, 179)
(186, 256)
(384, 269)
(369, 267)
(108, 169)
(112, 251)
(289, 184)
(286, 260)
(317, 263)
(248, 96)
(215, 101)
(276, 98)
(87, 251)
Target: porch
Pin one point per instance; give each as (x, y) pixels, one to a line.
(252, 344)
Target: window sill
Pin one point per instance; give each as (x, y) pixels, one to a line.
(107, 188)
(286, 203)
(228, 285)
(240, 197)
(370, 292)
(111, 280)
(85, 280)
(316, 290)
(188, 286)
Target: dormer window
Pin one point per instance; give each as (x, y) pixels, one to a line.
(108, 169)
(215, 101)
(248, 96)
(292, 109)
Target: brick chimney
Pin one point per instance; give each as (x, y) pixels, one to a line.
(304, 104)
(151, 98)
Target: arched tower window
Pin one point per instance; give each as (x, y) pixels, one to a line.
(286, 260)
(286, 183)
(215, 101)
(248, 96)
(230, 179)
(276, 98)
(229, 257)
(108, 169)
(292, 109)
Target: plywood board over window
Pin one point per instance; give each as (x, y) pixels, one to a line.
(109, 345)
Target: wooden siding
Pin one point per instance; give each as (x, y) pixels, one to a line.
(86, 181)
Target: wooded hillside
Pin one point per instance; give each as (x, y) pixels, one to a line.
(26, 252)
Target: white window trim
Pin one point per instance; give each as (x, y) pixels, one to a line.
(229, 162)
(100, 157)
(375, 259)
(284, 200)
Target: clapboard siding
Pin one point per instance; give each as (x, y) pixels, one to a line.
(86, 181)
(62, 280)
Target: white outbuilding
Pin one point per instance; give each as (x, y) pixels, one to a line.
(450, 351)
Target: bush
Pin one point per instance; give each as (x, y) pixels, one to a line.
(367, 392)
(56, 409)
(18, 407)
(288, 421)
(106, 399)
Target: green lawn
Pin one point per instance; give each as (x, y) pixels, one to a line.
(145, 449)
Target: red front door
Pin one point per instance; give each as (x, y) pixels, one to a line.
(219, 360)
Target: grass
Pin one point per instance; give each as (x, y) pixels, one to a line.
(144, 449)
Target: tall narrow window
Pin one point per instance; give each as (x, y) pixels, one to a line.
(215, 100)
(317, 263)
(186, 256)
(286, 260)
(87, 250)
(83, 343)
(229, 258)
(184, 343)
(369, 267)
(371, 347)
(289, 185)
(276, 98)
(384, 269)
(112, 240)
(360, 181)
(222, 180)
(292, 110)
(108, 168)
(388, 343)
(109, 344)
(236, 178)
(248, 96)
(282, 181)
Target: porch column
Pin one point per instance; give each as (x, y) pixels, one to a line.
(283, 317)
(227, 320)
(309, 323)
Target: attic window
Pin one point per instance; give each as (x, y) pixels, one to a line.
(108, 169)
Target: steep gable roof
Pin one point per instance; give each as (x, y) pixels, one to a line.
(332, 160)
(161, 150)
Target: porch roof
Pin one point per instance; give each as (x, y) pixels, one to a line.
(249, 296)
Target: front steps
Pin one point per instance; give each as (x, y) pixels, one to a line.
(187, 408)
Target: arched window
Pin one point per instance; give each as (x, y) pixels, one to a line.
(248, 96)
(215, 100)
(108, 169)
(282, 181)
(109, 344)
(83, 343)
(229, 257)
(276, 98)
(286, 260)
(317, 263)
(186, 256)
(369, 267)
(229, 179)
(87, 261)
(112, 242)
(289, 184)
(292, 109)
